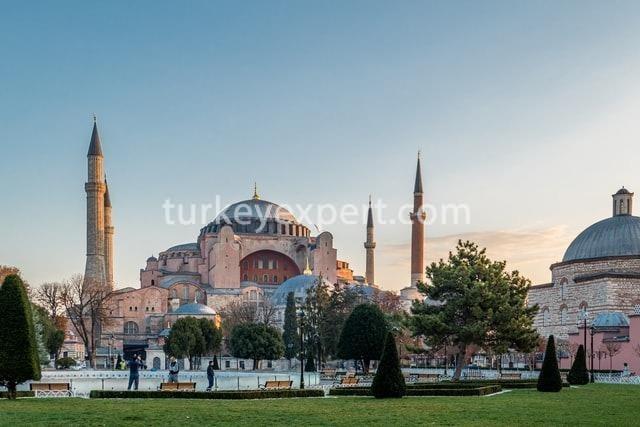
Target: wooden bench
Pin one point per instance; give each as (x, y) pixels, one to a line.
(51, 389)
(349, 381)
(510, 376)
(277, 385)
(328, 374)
(424, 378)
(177, 386)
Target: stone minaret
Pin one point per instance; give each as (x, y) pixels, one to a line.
(95, 188)
(108, 238)
(623, 202)
(418, 217)
(370, 245)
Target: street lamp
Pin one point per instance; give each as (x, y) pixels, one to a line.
(317, 338)
(301, 316)
(592, 331)
(584, 319)
(111, 339)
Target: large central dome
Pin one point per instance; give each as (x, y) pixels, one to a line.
(255, 209)
(615, 236)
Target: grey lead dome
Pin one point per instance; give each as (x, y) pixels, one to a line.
(615, 236)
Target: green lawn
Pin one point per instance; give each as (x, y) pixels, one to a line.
(592, 405)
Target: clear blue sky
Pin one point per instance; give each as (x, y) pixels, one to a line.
(526, 111)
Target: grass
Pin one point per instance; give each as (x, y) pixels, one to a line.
(588, 405)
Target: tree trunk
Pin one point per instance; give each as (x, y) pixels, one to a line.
(255, 364)
(461, 356)
(11, 390)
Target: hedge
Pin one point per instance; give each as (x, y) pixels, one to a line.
(4, 394)
(236, 395)
(425, 391)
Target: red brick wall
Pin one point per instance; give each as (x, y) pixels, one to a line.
(276, 266)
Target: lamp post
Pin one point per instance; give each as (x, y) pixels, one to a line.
(317, 338)
(111, 339)
(592, 331)
(584, 319)
(301, 316)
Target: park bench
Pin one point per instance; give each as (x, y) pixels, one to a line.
(424, 378)
(473, 374)
(177, 386)
(277, 385)
(510, 376)
(349, 381)
(327, 374)
(51, 389)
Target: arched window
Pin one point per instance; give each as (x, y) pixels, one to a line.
(185, 292)
(245, 277)
(130, 328)
(174, 293)
(153, 282)
(564, 315)
(265, 278)
(546, 317)
(563, 288)
(156, 363)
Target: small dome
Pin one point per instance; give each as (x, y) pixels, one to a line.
(299, 285)
(615, 236)
(623, 191)
(195, 309)
(193, 247)
(610, 320)
(152, 259)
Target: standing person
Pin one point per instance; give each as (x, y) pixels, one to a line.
(134, 374)
(174, 370)
(119, 362)
(210, 374)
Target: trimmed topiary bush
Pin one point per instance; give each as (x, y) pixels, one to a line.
(578, 374)
(389, 380)
(549, 379)
(19, 360)
(65, 363)
(428, 390)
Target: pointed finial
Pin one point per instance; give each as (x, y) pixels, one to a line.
(307, 271)
(94, 117)
(255, 191)
(369, 200)
(419, 154)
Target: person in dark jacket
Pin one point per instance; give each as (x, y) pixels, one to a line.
(210, 374)
(174, 370)
(134, 375)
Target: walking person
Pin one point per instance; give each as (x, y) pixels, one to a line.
(210, 374)
(174, 370)
(134, 375)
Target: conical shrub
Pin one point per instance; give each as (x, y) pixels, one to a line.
(389, 381)
(578, 374)
(549, 379)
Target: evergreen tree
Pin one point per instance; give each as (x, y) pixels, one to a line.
(310, 366)
(363, 335)
(19, 361)
(389, 380)
(578, 374)
(186, 340)
(216, 366)
(478, 303)
(290, 335)
(256, 341)
(549, 379)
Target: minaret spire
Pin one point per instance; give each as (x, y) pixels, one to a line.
(108, 238)
(95, 188)
(370, 245)
(418, 217)
(255, 191)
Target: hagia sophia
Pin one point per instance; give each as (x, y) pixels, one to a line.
(256, 250)
(253, 251)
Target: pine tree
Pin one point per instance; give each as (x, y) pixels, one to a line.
(549, 379)
(19, 360)
(578, 374)
(389, 381)
(363, 335)
(290, 335)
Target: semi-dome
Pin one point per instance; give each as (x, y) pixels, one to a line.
(615, 236)
(195, 309)
(610, 320)
(299, 285)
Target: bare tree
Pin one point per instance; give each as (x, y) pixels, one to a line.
(85, 303)
(49, 297)
(613, 348)
(240, 312)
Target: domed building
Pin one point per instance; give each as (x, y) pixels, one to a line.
(600, 272)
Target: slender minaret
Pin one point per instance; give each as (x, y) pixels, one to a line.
(108, 238)
(370, 245)
(418, 217)
(95, 188)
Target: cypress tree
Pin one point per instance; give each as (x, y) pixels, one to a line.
(19, 360)
(290, 335)
(216, 366)
(578, 374)
(549, 379)
(389, 381)
(310, 366)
